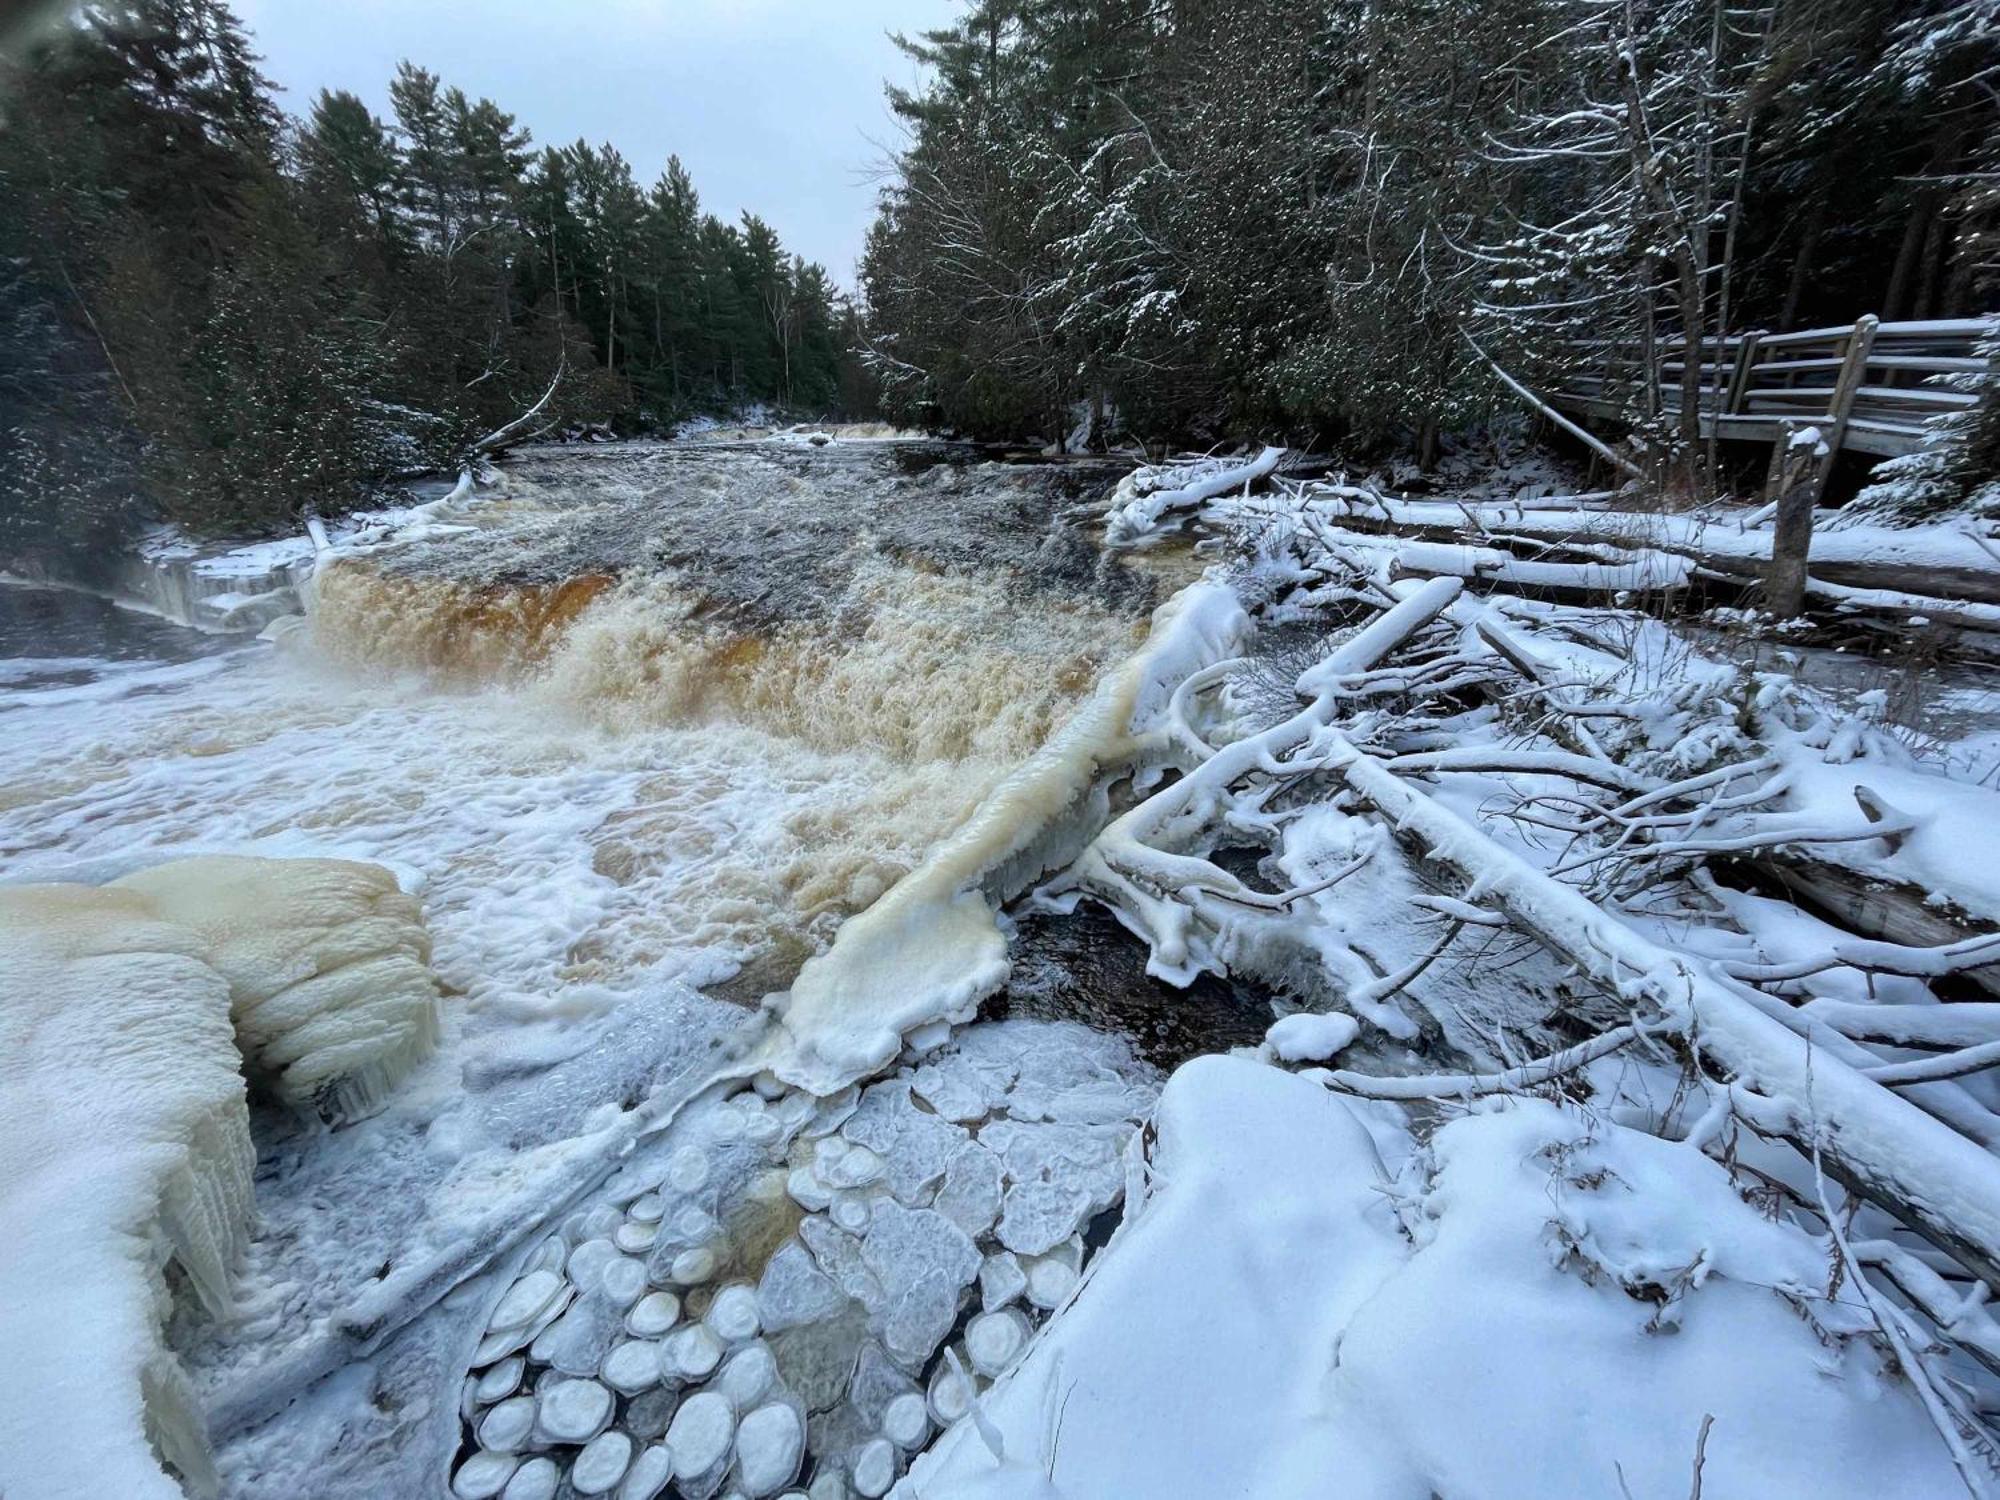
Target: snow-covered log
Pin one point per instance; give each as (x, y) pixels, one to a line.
(1146, 495)
(1950, 578)
(1918, 1168)
(1139, 865)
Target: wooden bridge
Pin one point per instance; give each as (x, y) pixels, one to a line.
(1861, 386)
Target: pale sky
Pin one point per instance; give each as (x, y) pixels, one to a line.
(774, 105)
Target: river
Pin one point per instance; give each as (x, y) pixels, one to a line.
(643, 725)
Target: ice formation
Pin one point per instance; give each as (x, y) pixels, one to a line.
(931, 948)
(132, 1012)
(124, 1147)
(328, 969)
(809, 1345)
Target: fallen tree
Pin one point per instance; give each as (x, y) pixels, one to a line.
(1447, 770)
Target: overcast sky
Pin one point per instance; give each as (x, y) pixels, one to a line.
(774, 105)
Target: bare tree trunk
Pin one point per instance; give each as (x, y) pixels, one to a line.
(1900, 296)
(1795, 289)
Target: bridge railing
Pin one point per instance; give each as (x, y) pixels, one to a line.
(1863, 385)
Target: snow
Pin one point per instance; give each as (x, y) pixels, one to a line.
(1311, 1038)
(701, 1433)
(1267, 1319)
(572, 1411)
(124, 1142)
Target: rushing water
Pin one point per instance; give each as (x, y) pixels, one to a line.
(643, 726)
(652, 713)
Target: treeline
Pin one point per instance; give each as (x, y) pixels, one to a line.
(1329, 221)
(235, 315)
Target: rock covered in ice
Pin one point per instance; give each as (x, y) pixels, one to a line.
(693, 1267)
(915, 1145)
(1083, 1157)
(993, 1339)
(524, 1301)
(632, 1366)
(1035, 1217)
(1001, 1280)
(855, 1167)
(838, 1254)
(505, 1428)
(875, 1468)
(649, 1474)
(907, 1422)
(852, 1211)
(601, 1464)
(952, 1088)
(635, 1238)
(829, 1113)
(649, 1209)
(808, 1191)
(970, 1193)
(951, 1393)
(1051, 1278)
(733, 1314)
(690, 1353)
(769, 1445)
(925, 1262)
(499, 1382)
(794, 1291)
(622, 1281)
(1100, 1100)
(588, 1260)
(578, 1341)
(483, 1476)
(598, 1222)
(747, 1375)
(687, 1170)
(534, 1480)
(653, 1314)
(701, 1433)
(497, 1345)
(571, 1411)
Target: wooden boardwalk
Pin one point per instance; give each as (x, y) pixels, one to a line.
(1862, 386)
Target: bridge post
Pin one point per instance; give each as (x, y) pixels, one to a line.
(1791, 533)
(1739, 381)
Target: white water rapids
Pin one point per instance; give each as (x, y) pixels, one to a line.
(642, 728)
